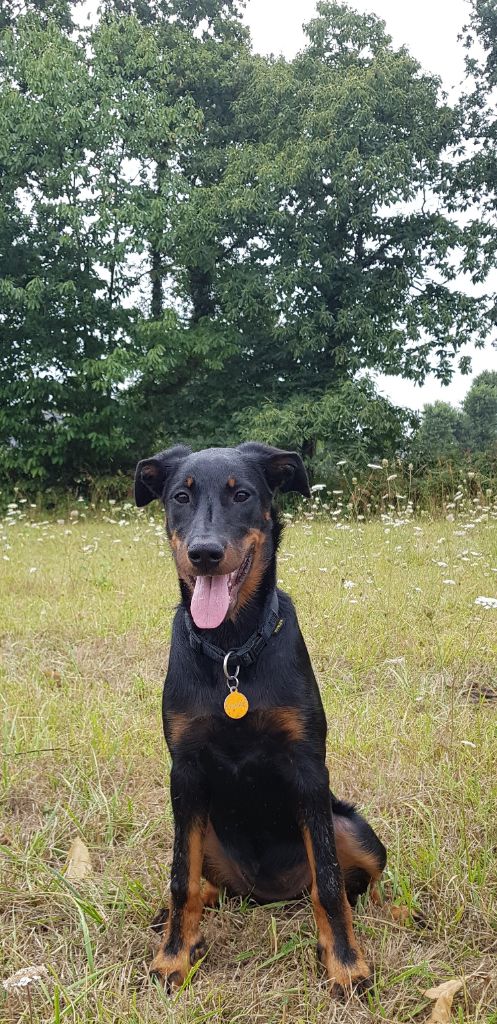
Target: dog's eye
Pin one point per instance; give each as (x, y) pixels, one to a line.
(241, 496)
(182, 497)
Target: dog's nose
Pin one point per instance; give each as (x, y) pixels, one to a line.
(205, 555)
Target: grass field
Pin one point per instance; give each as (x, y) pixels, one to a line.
(407, 667)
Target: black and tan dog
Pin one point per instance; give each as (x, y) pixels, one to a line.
(243, 717)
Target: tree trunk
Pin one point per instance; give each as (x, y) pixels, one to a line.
(200, 293)
(157, 304)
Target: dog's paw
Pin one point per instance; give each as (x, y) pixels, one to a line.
(171, 969)
(345, 979)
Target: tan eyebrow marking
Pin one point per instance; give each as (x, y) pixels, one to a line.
(189, 481)
(231, 481)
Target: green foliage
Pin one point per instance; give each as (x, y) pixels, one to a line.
(58, 11)
(472, 179)
(441, 435)
(200, 243)
(480, 406)
(352, 422)
(451, 443)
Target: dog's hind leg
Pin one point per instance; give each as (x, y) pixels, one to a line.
(361, 854)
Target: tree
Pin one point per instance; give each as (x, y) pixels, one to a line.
(480, 406)
(310, 244)
(194, 237)
(58, 11)
(472, 178)
(76, 220)
(441, 436)
(50, 307)
(352, 422)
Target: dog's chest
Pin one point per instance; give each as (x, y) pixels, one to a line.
(252, 751)
(248, 772)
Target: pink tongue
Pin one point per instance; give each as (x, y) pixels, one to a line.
(210, 601)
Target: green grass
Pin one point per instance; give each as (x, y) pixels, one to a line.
(407, 669)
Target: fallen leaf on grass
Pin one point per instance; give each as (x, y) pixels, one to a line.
(78, 864)
(443, 995)
(52, 676)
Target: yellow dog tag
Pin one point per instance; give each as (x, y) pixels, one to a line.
(236, 705)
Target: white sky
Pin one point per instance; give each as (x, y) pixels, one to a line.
(429, 29)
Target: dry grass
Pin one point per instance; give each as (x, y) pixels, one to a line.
(406, 664)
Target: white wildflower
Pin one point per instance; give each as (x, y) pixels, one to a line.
(486, 602)
(26, 976)
(450, 582)
(373, 465)
(348, 584)
(318, 487)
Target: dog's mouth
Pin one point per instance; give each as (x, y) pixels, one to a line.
(214, 596)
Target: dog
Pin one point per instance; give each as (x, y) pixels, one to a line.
(243, 717)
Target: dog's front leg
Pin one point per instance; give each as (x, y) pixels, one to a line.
(337, 946)
(183, 945)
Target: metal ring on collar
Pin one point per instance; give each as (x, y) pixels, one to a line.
(227, 673)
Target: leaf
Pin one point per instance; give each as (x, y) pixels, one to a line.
(78, 864)
(443, 995)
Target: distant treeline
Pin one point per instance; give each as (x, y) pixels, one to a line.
(203, 244)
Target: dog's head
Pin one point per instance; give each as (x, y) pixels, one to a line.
(219, 523)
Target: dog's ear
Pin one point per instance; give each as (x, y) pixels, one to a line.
(281, 469)
(151, 474)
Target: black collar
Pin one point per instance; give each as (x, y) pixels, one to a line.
(248, 653)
